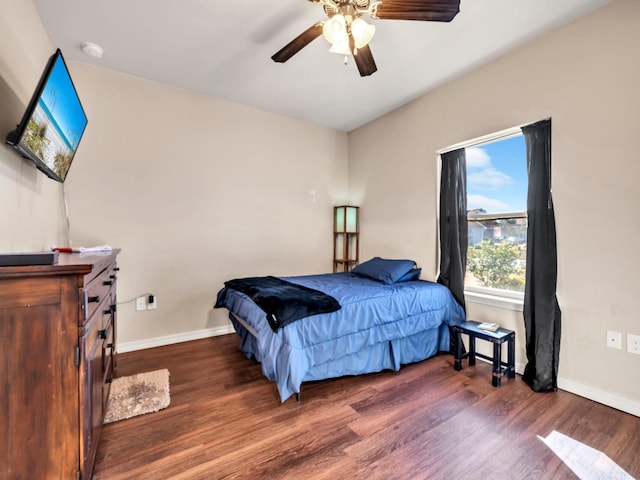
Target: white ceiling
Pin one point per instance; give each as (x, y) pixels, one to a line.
(223, 48)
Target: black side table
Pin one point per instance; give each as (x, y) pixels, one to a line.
(498, 337)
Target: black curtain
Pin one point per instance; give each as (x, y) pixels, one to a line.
(541, 311)
(453, 222)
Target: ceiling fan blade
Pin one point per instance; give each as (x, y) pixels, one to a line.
(298, 43)
(424, 10)
(364, 59)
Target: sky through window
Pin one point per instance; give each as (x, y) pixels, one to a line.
(497, 176)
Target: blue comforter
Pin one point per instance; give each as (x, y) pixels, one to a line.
(375, 318)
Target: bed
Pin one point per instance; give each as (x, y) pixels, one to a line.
(386, 317)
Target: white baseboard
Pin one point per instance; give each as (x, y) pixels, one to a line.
(620, 403)
(614, 401)
(176, 338)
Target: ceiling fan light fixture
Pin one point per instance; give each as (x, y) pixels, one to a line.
(335, 29)
(362, 32)
(341, 47)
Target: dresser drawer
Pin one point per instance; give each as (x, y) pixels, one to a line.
(108, 345)
(99, 292)
(108, 359)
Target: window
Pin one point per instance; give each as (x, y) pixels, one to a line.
(497, 215)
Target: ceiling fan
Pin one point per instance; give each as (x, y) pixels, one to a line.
(349, 34)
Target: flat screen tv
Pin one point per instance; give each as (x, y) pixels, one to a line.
(54, 122)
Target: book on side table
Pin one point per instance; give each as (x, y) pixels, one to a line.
(491, 327)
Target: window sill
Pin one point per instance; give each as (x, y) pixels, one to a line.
(494, 300)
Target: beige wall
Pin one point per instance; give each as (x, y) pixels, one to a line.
(585, 76)
(31, 205)
(196, 191)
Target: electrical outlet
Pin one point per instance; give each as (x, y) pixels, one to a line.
(633, 344)
(152, 302)
(614, 339)
(141, 303)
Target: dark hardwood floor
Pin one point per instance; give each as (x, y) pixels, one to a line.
(426, 421)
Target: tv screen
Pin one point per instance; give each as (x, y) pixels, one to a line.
(54, 122)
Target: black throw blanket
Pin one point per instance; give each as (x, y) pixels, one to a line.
(283, 302)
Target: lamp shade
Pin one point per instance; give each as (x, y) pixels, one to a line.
(341, 47)
(346, 219)
(335, 29)
(362, 32)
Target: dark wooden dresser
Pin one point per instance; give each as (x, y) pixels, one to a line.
(57, 358)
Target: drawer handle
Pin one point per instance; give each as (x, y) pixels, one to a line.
(102, 334)
(109, 345)
(107, 312)
(112, 277)
(95, 299)
(107, 282)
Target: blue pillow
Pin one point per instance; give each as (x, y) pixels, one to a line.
(385, 271)
(413, 274)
